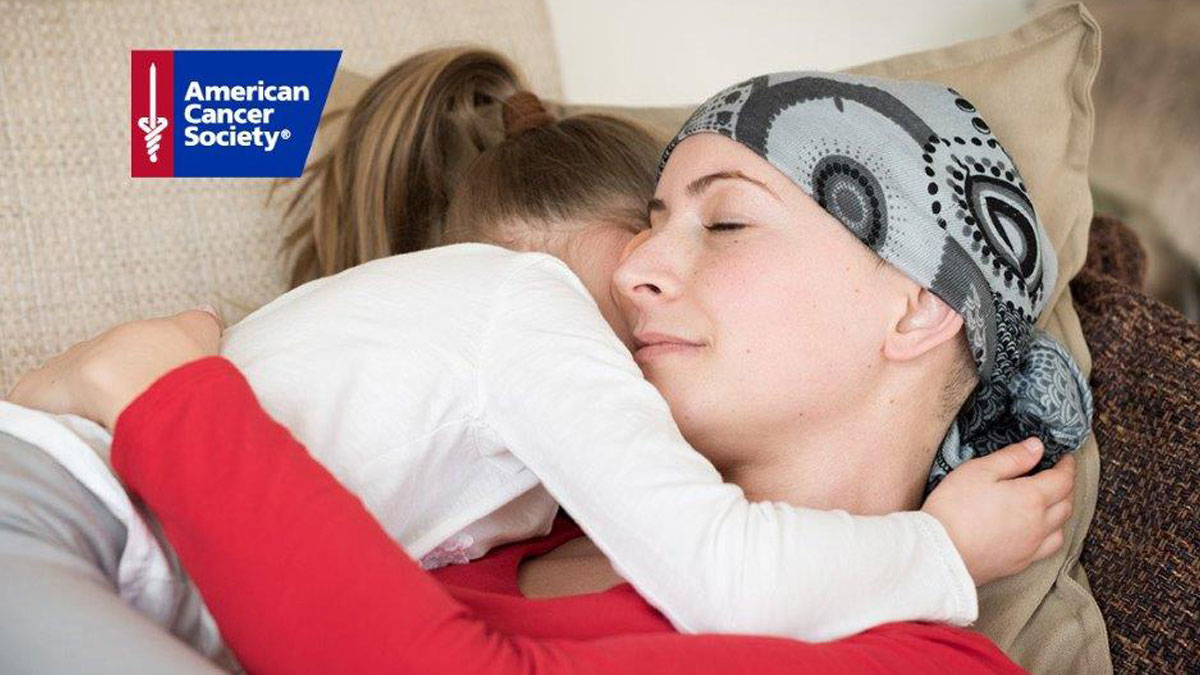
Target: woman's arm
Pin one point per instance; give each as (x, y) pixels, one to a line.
(563, 394)
(302, 579)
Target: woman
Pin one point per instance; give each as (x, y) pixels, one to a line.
(919, 332)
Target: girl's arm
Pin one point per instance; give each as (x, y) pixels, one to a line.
(302, 580)
(564, 395)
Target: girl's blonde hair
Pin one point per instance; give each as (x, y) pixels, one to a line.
(438, 150)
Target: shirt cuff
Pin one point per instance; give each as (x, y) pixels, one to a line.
(965, 600)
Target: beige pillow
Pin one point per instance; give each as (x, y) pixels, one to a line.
(1033, 86)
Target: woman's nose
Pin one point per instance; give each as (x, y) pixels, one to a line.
(644, 274)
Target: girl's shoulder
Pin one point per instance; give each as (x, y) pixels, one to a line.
(497, 273)
(479, 260)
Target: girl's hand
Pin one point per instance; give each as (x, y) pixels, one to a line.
(100, 377)
(999, 520)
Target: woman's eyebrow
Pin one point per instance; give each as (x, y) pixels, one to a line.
(698, 186)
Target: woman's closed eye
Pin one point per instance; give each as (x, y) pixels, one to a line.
(724, 227)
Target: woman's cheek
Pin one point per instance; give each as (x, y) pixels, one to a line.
(790, 338)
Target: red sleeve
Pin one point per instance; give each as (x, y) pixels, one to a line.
(302, 579)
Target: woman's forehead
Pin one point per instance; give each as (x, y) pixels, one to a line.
(706, 165)
(703, 160)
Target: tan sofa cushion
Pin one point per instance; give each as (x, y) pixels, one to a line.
(1033, 85)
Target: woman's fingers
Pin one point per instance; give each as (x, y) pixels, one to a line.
(98, 377)
(212, 311)
(203, 324)
(37, 388)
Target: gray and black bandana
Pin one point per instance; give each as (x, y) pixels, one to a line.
(916, 174)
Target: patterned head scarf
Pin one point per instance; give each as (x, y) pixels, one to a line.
(912, 169)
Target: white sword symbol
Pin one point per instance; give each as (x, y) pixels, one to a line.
(153, 125)
(153, 94)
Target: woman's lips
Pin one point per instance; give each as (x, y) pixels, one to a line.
(657, 345)
(662, 349)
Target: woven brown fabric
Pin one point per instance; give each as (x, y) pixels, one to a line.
(1114, 251)
(1143, 551)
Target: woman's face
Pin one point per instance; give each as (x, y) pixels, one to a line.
(752, 309)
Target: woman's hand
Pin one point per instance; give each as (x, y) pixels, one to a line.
(100, 377)
(1000, 520)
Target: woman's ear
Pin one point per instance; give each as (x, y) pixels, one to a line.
(927, 322)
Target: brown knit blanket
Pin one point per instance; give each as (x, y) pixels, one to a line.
(1142, 553)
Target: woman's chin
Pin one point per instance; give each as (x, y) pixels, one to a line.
(655, 376)
(677, 388)
(665, 377)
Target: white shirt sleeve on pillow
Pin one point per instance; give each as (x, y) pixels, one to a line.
(566, 397)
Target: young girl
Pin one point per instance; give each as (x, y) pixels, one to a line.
(465, 391)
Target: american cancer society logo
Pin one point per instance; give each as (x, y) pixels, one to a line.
(226, 113)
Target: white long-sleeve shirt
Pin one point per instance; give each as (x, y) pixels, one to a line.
(465, 392)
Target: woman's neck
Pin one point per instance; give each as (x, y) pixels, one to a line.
(870, 459)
